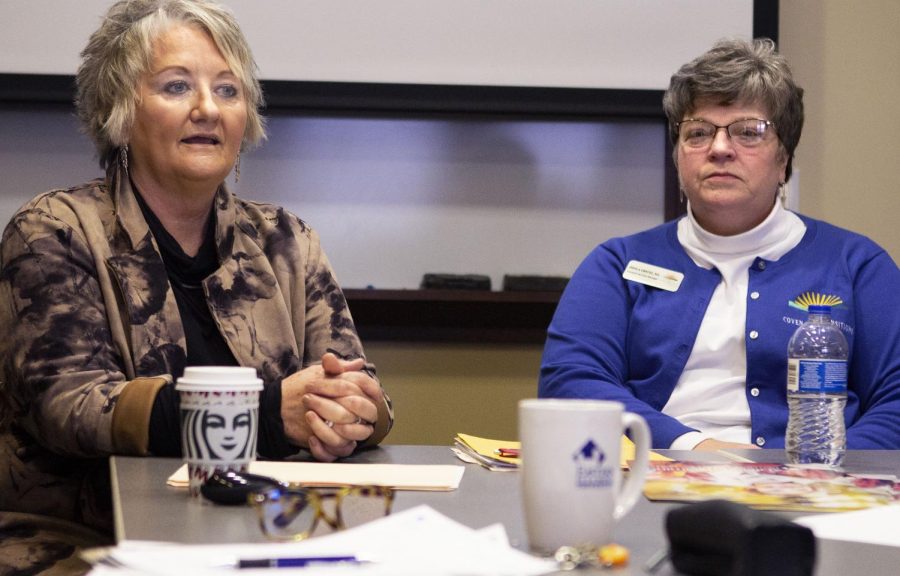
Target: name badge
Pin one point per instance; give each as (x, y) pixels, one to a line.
(651, 275)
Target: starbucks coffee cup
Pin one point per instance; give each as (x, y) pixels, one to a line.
(219, 420)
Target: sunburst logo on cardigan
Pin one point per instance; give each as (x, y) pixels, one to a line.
(807, 299)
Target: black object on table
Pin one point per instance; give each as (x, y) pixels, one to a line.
(722, 538)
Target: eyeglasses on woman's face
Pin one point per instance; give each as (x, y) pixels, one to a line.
(696, 133)
(294, 513)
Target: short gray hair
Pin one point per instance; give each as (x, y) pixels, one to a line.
(734, 71)
(119, 52)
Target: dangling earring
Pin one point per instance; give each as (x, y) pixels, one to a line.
(681, 195)
(123, 158)
(237, 169)
(782, 193)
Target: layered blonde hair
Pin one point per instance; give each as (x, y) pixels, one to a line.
(120, 51)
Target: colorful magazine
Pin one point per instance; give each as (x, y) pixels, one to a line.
(770, 486)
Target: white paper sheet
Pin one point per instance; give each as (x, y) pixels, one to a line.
(871, 526)
(410, 543)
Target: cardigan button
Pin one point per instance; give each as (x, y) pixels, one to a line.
(761, 264)
(760, 441)
(754, 334)
(754, 295)
(754, 392)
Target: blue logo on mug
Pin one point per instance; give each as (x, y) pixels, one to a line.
(589, 469)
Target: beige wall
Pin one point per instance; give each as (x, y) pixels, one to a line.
(847, 57)
(440, 390)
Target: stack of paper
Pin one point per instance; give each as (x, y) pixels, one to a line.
(413, 542)
(488, 452)
(435, 477)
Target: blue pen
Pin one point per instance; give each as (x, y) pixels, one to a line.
(295, 562)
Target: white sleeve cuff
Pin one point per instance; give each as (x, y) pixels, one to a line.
(689, 441)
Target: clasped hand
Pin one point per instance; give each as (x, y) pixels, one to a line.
(330, 407)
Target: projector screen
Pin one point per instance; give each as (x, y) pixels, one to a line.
(559, 45)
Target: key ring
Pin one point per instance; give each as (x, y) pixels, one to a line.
(608, 556)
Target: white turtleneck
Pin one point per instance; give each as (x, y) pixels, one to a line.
(711, 394)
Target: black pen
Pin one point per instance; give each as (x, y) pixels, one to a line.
(297, 562)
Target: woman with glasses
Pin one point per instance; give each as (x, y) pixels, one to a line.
(688, 323)
(110, 288)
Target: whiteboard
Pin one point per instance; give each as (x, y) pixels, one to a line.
(395, 198)
(606, 44)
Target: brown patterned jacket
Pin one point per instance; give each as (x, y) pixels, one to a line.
(90, 331)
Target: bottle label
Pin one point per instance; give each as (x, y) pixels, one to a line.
(817, 375)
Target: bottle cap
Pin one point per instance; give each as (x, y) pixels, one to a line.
(819, 309)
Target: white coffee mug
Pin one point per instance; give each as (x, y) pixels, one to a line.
(219, 420)
(572, 486)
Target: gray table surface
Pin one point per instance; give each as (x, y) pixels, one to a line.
(147, 509)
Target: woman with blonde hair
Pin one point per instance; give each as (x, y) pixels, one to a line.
(110, 288)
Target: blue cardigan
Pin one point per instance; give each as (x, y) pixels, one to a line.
(615, 339)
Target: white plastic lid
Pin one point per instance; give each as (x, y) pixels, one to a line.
(231, 378)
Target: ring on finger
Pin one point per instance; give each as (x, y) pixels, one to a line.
(329, 423)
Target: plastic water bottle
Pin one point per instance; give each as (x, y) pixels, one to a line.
(817, 391)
